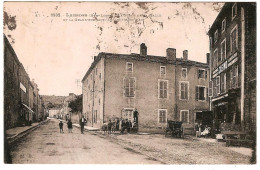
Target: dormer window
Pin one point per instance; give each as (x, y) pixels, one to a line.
(163, 70)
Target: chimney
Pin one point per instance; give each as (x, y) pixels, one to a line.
(208, 58)
(143, 49)
(185, 55)
(171, 54)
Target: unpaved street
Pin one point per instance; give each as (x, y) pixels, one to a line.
(47, 145)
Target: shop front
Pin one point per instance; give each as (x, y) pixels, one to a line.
(226, 112)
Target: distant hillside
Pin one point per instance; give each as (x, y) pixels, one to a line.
(52, 101)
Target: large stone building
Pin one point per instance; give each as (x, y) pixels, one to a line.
(233, 66)
(159, 87)
(19, 96)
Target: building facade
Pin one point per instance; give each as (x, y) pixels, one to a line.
(19, 92)
(117, 84)
(232, 88)
(11, 86)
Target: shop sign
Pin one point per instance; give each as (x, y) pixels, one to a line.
(232, 62)
(232, 57)
(218, 98)
(22, 87)
(220, 69)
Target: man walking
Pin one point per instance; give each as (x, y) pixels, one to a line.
(82, 123)
(69, 126)
(61, 127)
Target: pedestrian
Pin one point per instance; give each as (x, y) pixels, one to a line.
(69, 126)
(82, 123)
(109, 126)
(136, 114)
(61, 127)
(127, 124)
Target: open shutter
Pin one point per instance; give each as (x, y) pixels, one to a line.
(197, 93)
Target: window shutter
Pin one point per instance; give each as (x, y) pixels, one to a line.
(198, 73)
(197, 93)
(206, 74)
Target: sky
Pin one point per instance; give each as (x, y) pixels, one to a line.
(56, 41)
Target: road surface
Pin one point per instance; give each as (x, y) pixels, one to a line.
(46, 145)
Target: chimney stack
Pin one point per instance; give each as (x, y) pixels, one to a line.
(143, 49)
(208, 58)
(185, 55)
(171, 54)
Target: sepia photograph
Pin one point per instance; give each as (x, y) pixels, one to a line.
(140, 83)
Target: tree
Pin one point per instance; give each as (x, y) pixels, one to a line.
(76, 105)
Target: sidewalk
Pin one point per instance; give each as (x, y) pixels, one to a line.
(241, 150)
(17, 132)
(89, 128)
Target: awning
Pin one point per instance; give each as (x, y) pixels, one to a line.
(28, 107)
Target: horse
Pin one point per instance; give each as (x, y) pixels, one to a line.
(105, 127)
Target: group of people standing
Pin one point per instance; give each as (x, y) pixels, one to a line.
(69, 124)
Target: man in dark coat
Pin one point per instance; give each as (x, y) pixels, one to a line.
(136, 114)
(82, 124)
(69, 126)
(61, 127)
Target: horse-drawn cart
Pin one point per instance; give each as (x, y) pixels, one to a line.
(174, 128)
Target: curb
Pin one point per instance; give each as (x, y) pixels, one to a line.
(14, 138)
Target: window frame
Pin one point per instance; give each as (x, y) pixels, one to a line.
(204, 73)
(221, 52)
(223, 25)
(159, 89)
(166, 114)
(234, 16)
(218, 84)
(186, 73)
(124, 87)
(223, 83)
(215, 60)
(205, 96)
(132, 66)
(231, 47)
(188, 94)
(188, 117)
(210, 88)
(216, 36)
(161, 70)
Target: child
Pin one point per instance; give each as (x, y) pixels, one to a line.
(61, 127)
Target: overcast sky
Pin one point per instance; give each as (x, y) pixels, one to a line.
(57, 51)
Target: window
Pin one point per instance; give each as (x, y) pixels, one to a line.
(162, 115)
(215, 60)
(202, 73)
(184, 72)
(210, 89)
(163, 70)
(129, 87)
(223, 27)
(233, 39)
(200, 93)
(184, 87)
(234, 11)
(223, 82)
(214, 87)
(218, 84)
(163, 88)
(216, 36)
(223, 50)
(184, 116)
(234, 77)
(129, 67)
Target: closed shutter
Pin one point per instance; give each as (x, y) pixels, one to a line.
(197, 93)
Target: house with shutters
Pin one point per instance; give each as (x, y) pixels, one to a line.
(160, 88)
